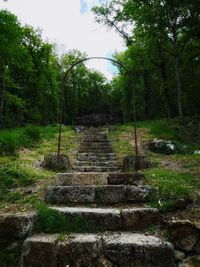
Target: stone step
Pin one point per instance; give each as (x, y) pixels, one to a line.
(95, 169)
(112, 219)
(96, 156)
(96, 163)
(93, 178)
(95, 150)
(95, 147)
(96, 141)
(96, 250)
(105, 194)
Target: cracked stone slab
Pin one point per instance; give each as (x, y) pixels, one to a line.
(70, 194)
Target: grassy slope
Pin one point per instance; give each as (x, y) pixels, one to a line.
(176, 176)
(22, 177)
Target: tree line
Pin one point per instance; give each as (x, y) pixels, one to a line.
(162, 52)
(31, 75)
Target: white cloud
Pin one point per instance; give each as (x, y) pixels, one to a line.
(62, 22)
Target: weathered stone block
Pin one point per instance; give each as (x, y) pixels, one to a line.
(137, 194)
(110, 194)
(183, 234)
(139, 218)
(16, 226)
(137, 250)
(83, 179)
(79, 250)
(135, 163)
(125, 178)
(96, 218)
(39, 251)
(53, 162)
(70, 194)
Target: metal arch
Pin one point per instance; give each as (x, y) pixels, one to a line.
(65, 76)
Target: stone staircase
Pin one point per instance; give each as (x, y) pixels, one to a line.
(95, 153)
(112, 203)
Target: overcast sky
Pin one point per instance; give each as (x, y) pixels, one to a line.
(70, 24)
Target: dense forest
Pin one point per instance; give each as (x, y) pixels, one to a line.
(162, 52)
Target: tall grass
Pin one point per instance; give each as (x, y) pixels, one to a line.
(13, 140)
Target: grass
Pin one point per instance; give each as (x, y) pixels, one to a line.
(52, 221)
(22, 168)
(171, 186)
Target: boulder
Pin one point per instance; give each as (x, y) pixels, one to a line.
(53, 162)
(193, 261)
(162, 146)
(183, 234)
(16, 226)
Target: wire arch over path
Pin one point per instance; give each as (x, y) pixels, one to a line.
(64, 79)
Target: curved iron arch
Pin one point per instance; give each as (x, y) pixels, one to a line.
(65, 76)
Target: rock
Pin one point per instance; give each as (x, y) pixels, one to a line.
(79, 250)
(125, 178)
(139, 218)
(110, 194)
(16, 226)
(162, 146)
(70, 194)
(137, 250)
(102, 262)
(197, 152)
(193, 261)
(39, 251)
(179, 255)
(52, 162)
(135, 163)
(183, 234)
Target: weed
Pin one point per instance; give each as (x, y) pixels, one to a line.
(52, 221)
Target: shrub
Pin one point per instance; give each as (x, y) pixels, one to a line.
(33, 132)
(161, 129)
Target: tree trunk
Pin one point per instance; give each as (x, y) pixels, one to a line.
(178, 84)
(165, 88)
(2, 87)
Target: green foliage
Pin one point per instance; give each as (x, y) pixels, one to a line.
(171, 185)
(10, 257)
(162, 129)
(33, 132)
(52, 221)
(14, 175)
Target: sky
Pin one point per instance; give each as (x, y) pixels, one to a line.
(70, 24)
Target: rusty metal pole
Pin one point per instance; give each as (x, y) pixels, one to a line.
(60, 121)
(134, 116)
